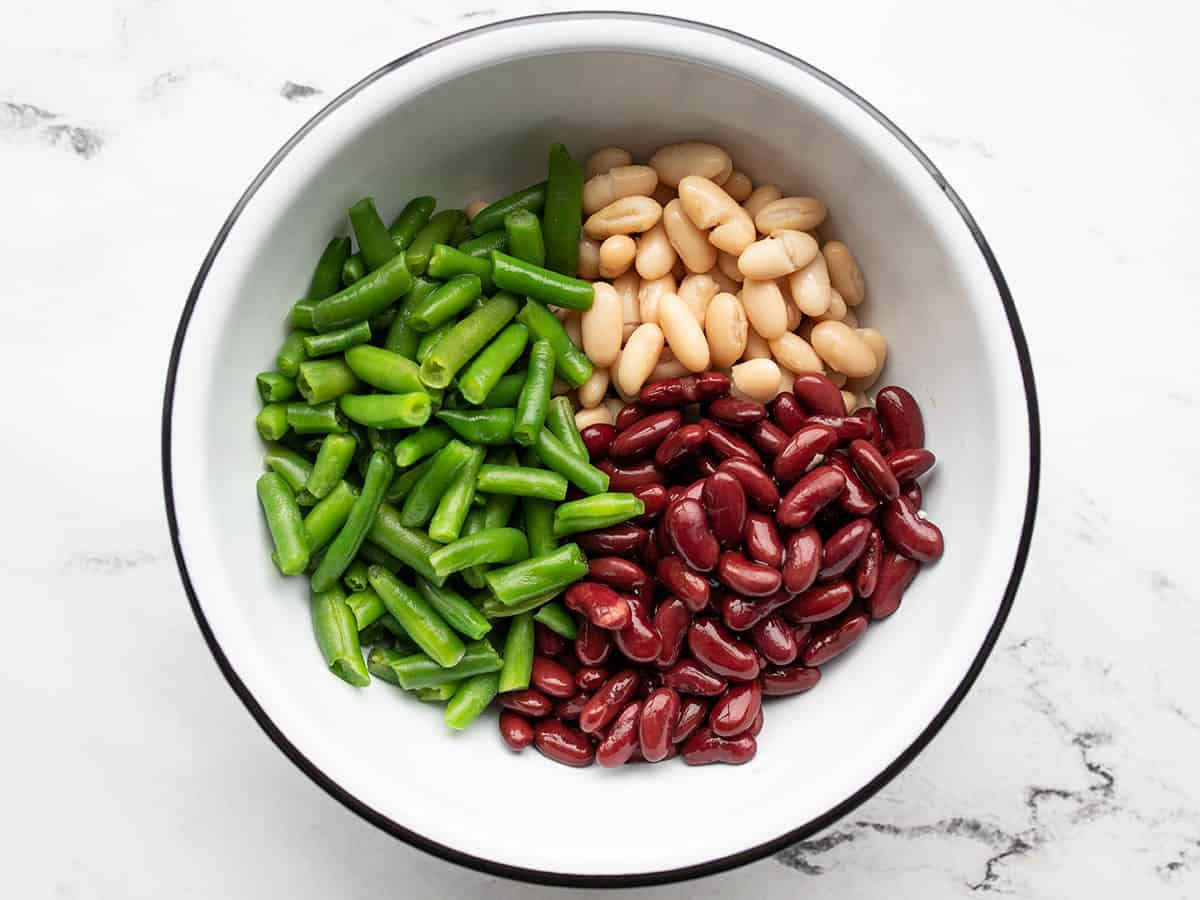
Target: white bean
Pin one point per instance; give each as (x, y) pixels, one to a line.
(878, 345)
(809, 287)
(765, 307)
(683, 333)
(836, 377)
(592, 391)
(794, 354)
(627, 286)
(757, 379)
(689, 241)
(696, 291)
(728, 264)
(606, 159)
(762, 195)
(837, 308)
(616, 255)
(639, 358)
(723, 281)
(842, 348)
(844, 273)
(850, 318)
(629, 215)
(756, 345)
(675, 161)
(599, 415)
(708, 206)
(589, 259)
(791, 214)
(655, 255)
(726, 328)
(474, 208)
(602, 325)
(573, 326)
(668, 367)
(787, 380)
(795, 317)
(738, 185)
(649, 294)
(614, 405)
(850, 399)
(780, 254)
(622, 181)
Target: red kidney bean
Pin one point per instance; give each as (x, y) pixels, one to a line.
(527, 703)
(818, 395)
(671, 620)
(802, 634)
(654, 498)
(896, 573)
(589, 678)
(720, 651)
(690, 587)
(689, 677)
(755, 481)
(592, 645)
(660, 716)
(597, 438)
(680, 446)
(623, 538)
(847, 427)
(622, 739)
(704, 747)
(870, 464)
(603, 606)
(911, 464)
(900, 416)
(604, 705)
(562, 743)
(792, 680)
(835, 641)
(728, 445)
(687, 527)
(639, 640)
(857, 498)
(914, 495)
(844, 547)
(617, 572)
(773, 638)
(915, 537)
(804, 449)
(802, 561)
(809, 496)
(629, 414)
(693, 491)
(515, 731)
(788, 413)
(725, 503)
(546, 642)
(736, 711)
(552, 678)
(736, 412)
(568, 710)
(637, 757)
(768, 438)
(663, 394)
(643, 436)
(756, 726)
(741, 614)
(748, 578)
(762, 541)
(693, 712)
(688, 389)
(870, 421)
(626, 478)
(705, 466)
(820, 603)
(649, 555)
(866, 570)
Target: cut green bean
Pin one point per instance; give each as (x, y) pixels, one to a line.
(429, 342)
(384, 369)
(320, 418)
(559, 459)
(439, 694)
(411, 220)
(345, 546)
(490, 545)
(570, 361)
(284, 521)
(470, 700)
(485, 243)
(409, 545)
(381, 660)
(490, 427)
(353, 269)
(518, 654)
(447, 521)
(327, 276)
(540, 284)
(337, 636)
(436, 231)
(364, 603)
(521, 482)
(467, 338)
(367, 297)
(382, 439)
(289, 465)
(420, 444)
(524, 237)
(423, 499)
(486, 370)
(273, 387)
(506, 392)
(491, 217)
(427, 629)
(560, 419)
(331, 342)
(539, 526)
(598, 511)
(329, 515)
(382, 322)
(271, 421)
(445, 303)
(564, 211)
(388, 410)
(301, 313)
(291, 354)
(404, 482)
(401, 337)
(461, 233)
(473, 576)
(494, 609)
(534, 400)
(455, 609)
(333, 461)
(537, 575)
(445, 262)
(420, 671)
(355, 577)
(322, 380)
(375, 243)
(555, 617)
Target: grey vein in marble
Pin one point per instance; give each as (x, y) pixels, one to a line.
(293, 91)
(17, 116)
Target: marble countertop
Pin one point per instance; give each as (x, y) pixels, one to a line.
(127, 130)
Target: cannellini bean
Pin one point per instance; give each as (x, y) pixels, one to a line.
(708, 206)
(787, 380)
(650, 293)
(663, 194)
(622, 181)
(794, 315)
(689, 241)
(639, 358)
(878, 345)
(616, 255)
(724, 282)
(614, 405)
(592, 391)
(474, 208)
(602, 325)
(790, 214)
(589, 259)
(836, 377)
(762, 195)
(794, 354)
(560, 312)
(837, 308)
(810, 288)
(675, 161)
(844, 273)
(629, 215)
(757, 379)
(668, 367)
(696, 291)
(850, 318)
(842, 348)
(726, 328)
(728, 264)
(606, 159)
(627, 286)
(765, 307)
(655, 255)
(851, 401)
(599, 415)
(738, 185)
(683, 333)
(756, 345)
(780, 254)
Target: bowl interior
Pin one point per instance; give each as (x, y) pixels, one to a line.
(473, 120)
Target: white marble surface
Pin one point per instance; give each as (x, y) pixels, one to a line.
(127, 131)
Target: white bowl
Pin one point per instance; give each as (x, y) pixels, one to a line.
(471, 117)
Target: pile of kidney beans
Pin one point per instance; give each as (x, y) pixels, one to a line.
(773, 536)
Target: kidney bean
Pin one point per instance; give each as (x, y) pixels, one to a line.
(756, 726)
(626, 478)
(604, 705)
(736, 710)
(755, 481)
(689, 389)
(643, 436)
(792, 680)
(835, 641)
(787, 412)
(568, 710)
(857, 498)
(802, 561)
(768, 438)
(546, 642)
(589, 678)
(664, 394)
(804, 449)
(617, 572)
(623, 538)
(914, 495)
(562, 743)
(818, 395)
(597, 438)
(762, 541)
(637, 757)
(650, 554)
(844, 547)
(689, 677)
(909, 465)
(687, 527)
(896, 573)
(870, 421)
(820, 603)
(639, 640)
(736, 412)
(741, 614)
(748, 578)
(870, 464)
(809, 496)
(618, 745)
(847, 428)
(900, 416)
(592, 645)
(693, 712)
(527, 703)
(866, 570)
(728, 445)
(720, 651)
(603, 606)
(725, 504)
(705, 466)
(671, 620)
(915, 537)
(515, 731)
(704, 747)
(679, 446)
(695, 490)
(773, 638)
(660, 717)
(629, 414)
(552, 678)
(690, 587)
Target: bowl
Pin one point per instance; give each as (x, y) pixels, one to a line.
(470, 117)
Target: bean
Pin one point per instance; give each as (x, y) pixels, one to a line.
(671, 620)
(689, 242)
(757, 379)
(810, 288)
(810, 495)
(844, 272)
(768, 438)
(915, 537)
(660, 716)
(538, 575)
(638, 358)
(818, 395)
(627, 215)
(725, 503)
(556, 618)
(283, 520)
(903, 425)
(736, 711)
(604, 705)
(896, 573)
(792, 680)
(618, 182)
(562, 743)
(874, 469)
(736, 412)
(552, 678)
(623, 538)
(857, 498)
(718, 650)
(629, 414)
(781, 253)
(655, 256)
(602, 326)
(527, 702)
(761, 539)
(687, 527)
(802, 561)
(589, 259)
(515, 731)
(592, 645)
(626, 478)
(866, 569)
(791, 213)
(708, 206)
(639, 640)
(787, 412)
(835, 641)
(654, 501)
(757, 484)
(366, 297)
(673, 162)
(760, 197)
(683, 333)
(704, 748)
(470, 700)
(387, 410)
(679, 445)
(607, 159)
(418, 618)
(804, 450)
(598, 438)
(908, 465)
(568, 710)
(490, 427)
(651, 292)
(689, 389)
(726, 329)
(696, 290)
(690, 677)
(617, 572)
(843, 548)
(825, 601)
(773, 638)
(795, 354)
(589, 678)
(602, 606)
(740, 613)
(644, 436)
(764, 307)
(746, 577)
(678, 579)
(621, 741)
(839, 345)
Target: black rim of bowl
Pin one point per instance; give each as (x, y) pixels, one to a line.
(723, 863)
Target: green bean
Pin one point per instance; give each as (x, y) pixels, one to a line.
(439, 694)
(382, 439)
(524, 237)
(555, 617)
(404, 482)
(560, 419)
(564, 211)
(384, 369)
(534, 400)
(382, 322)
(345, 546)
(571, 362)
(375, 243)
(537, 575)
(419, 671)
(490, 545)
(355, 577)
(411, 220)
(521, 482)
(506, 392)
(369, 296)
(491, 217)
(598, 511)
(333, 461)
(322, 380)
(291, 354)
(429, 342)
(353, 269)
(467, 338)
(480, 426)
(494, 360)
(337, 636)
(401, 337)
(470, 700)
(454, 608)
(273, 387)
(436, 231)
(461, 232)
(423, 499)
(421, 443)
(300, 315)
(518, 654)
(329, 515)
(289, 465)
(537, 283)
(283, 520)
(445, 262)
(364, 603)
(558, 458)
(327, 276)
(445, 303)
(388, 410)
(539, 526)
(337, 341)
(271, 421)
(320, 418)
(380, 662)
(485, 243)
(447, 522)
(494, 609)
(427, 629)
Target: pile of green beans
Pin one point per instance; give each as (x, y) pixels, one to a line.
(419, 464)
